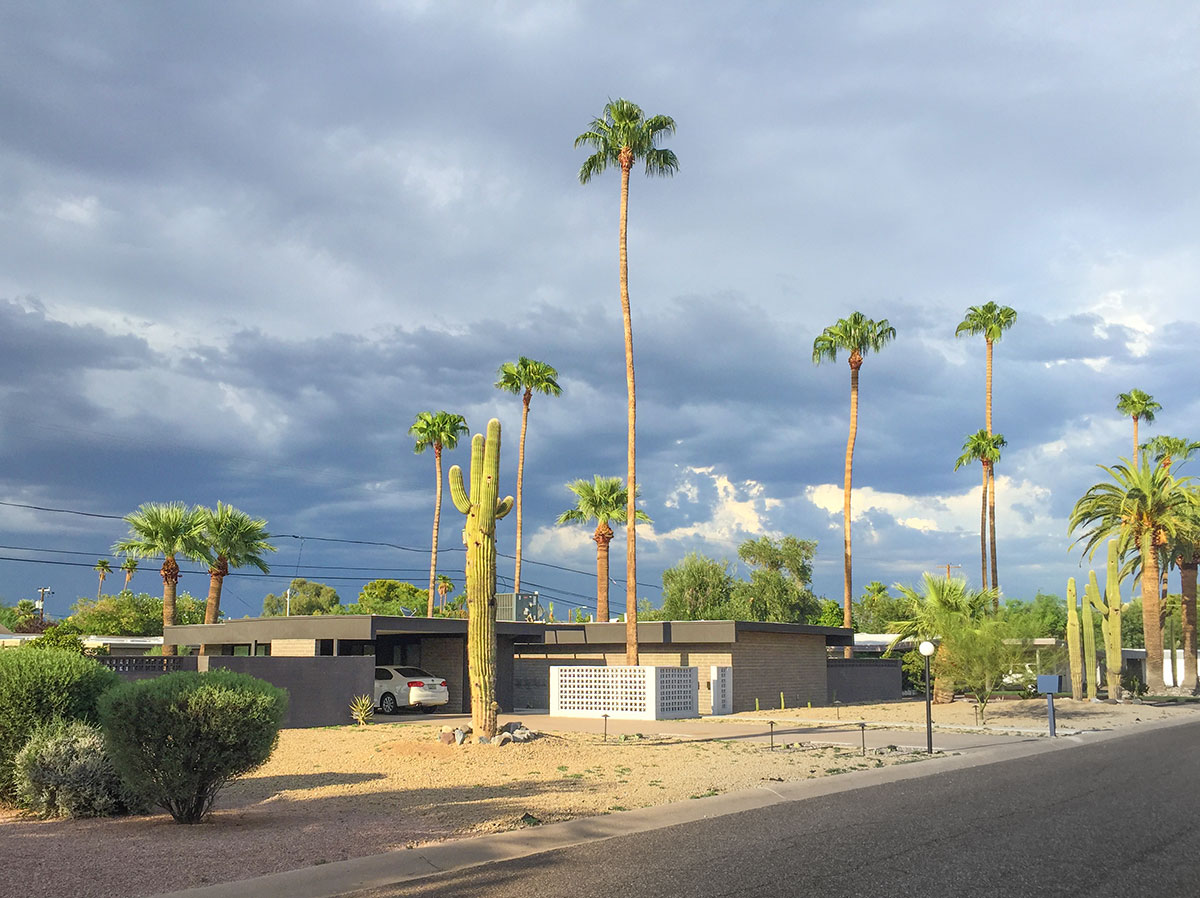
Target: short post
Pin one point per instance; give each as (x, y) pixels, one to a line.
(837, 706)
(771, 723)
(605, 716)
(1050, 712)
(927, 648)
(863, 727)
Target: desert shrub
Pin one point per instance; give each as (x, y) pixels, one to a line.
(180, 738)
(58, 636)
(64, 770)
(38, 687)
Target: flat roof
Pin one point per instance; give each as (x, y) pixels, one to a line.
(689, 631)
(333, 626)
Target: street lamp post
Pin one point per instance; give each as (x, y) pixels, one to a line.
(927, 648)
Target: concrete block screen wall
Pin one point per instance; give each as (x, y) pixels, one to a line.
(630, 693)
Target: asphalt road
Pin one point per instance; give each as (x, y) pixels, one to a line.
(1116, 818)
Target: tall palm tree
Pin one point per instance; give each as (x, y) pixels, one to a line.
(856, 335)
(167, 530)
(129, 567)
(941, 605)
(444, 587)
(989, 321)
(1184, 552)
(602, 500)
(1144, 508)
(439, 430)
(524, 377)
(103, 568)
(234, 540)
(1139, 405)
(619, 137)
(985, 449)
(1168, 450)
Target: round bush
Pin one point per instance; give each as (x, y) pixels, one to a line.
(64, 770)
(40, 686)
(179, 738)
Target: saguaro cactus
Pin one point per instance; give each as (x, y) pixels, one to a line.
(1090, 600)
(1073, 641)
(483, 508)
(1110, 621)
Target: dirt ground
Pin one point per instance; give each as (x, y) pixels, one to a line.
(342, 792)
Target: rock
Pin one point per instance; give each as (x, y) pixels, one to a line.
(466, 728)
(446, 738)
(483, 740)
(514, 726)
(504, 738)
(459, 736)
(524, 734)
(528, 819)
(446, 729)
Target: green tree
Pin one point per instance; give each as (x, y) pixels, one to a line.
(524, 377)
(977, 655)
(1168, 450)
(602, 500)
(1144, 508)
(383, 596)
(1044, 617)
(307, 597)
(445, 586)
(857, 336)
(103, 568)
(698, 588)
(234, 540)
(25, 617)
(779, 587)
(129, 567)
(1138, 405)
(620, 137)
(436, 430)
(985, 449)
(877, 608)
(829, 615)
(166, 530)
(129, 614)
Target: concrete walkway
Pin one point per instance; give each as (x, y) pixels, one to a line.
(955, 751)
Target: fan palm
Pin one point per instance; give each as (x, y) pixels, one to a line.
(436, 430)
(234, 540)
(602, 500)
(444, 587)
(857, 336)
(524, 377)
(620, 137)
(985, 449)
(941, 606)
(1144, 508)
(103, 568)
(129, 567)
(1138, 405)
(1168, 450)
(165, 529)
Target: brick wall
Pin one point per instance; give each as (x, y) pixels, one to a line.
(444, 658)
(765, 664)
(293, 648)
(864, 679)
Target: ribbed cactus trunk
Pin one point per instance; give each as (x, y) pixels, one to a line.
(1091, 598)
(482, 508)
(1112, 620)
(1074, 648)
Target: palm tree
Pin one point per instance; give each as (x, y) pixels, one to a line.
(856, 335)
(985, 449)
(1144, 508)
(602, 500)
(1185, 553)
(440, 430)
(990, 321)
(103, 568)
(619, 137)
(1167, 449)
(1138, 405)
(444, 587)
(129, 566)
(234, 540)
(167, 530)
(942, 605)
(524, 377)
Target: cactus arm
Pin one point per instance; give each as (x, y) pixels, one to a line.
(457, 494)
(1112, 642)
(477, 450)
(503, 507)
(1091, 594)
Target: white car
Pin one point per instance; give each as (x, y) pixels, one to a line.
(408, 687)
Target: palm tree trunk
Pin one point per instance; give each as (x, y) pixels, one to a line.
(992, 533)
(216, 581)
(99, 588)
(848, 479)
(1187, 614)
(170, 577)
(603, 537)
(987, 416)
(631, 634)
(1135, 440)
(520, 484)
(1151, 620)
(983, 555)
(437, 523)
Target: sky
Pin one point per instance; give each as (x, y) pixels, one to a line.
(243, 245)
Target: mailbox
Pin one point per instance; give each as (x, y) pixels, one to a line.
(1049, 683)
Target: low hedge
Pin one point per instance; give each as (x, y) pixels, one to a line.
(39, 687)
(180, 738)
(65, 770)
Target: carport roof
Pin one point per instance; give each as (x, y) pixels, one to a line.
(334, 626)
(693, 631)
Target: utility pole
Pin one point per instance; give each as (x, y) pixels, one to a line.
(41, 602)
(947, 567)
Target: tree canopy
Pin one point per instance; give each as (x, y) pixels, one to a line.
(308, 597)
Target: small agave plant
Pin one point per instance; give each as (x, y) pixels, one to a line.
(362, 709)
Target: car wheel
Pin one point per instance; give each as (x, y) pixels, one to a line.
(387, 704)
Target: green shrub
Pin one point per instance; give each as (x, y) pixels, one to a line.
(64, 770)
(180, 738)
(40, 686)
(58, 636)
